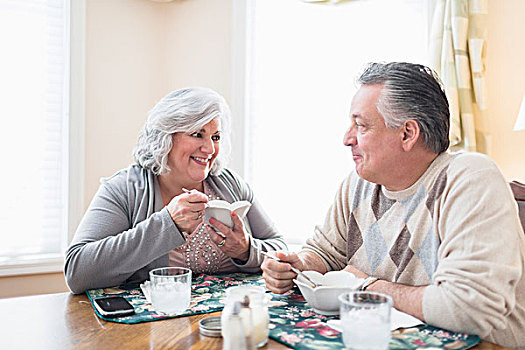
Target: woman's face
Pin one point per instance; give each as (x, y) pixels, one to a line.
(192, 155)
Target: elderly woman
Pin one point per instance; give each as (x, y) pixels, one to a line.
(151, 214)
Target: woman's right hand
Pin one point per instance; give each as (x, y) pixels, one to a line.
(187, 210)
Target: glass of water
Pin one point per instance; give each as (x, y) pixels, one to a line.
(365, 320)
(170, 289)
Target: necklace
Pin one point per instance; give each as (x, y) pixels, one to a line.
(201, 256)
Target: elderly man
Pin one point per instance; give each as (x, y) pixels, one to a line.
(438, 232)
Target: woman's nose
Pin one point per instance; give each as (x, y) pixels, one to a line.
(208, 146)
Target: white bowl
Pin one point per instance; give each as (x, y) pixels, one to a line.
(324, 299)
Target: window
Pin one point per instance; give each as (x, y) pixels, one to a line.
(39, 192)
(302, 61)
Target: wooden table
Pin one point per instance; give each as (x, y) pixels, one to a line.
(67, 321)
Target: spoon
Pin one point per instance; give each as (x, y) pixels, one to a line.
(298, 272)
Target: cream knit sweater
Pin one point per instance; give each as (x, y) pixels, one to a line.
(456, 230)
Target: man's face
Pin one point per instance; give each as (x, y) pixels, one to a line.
(376, 149)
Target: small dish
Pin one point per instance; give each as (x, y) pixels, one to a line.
(323, 299)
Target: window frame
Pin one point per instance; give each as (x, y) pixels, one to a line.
(75, 139)
(239, 101)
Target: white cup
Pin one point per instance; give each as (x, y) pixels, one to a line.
(170, 289)
(365, 320)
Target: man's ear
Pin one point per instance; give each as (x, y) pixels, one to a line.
(409, 134)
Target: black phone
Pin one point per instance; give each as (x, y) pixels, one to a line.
(113, 307)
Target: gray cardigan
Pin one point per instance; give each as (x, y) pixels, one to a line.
(127, 231)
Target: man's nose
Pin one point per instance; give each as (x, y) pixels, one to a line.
(349, 138)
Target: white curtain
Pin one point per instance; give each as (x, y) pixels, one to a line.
(457, 52)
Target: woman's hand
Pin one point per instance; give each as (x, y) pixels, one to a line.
(232, 242)
(187, 210)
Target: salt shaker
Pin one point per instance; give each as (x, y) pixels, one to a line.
(253, 311)
(235, 334)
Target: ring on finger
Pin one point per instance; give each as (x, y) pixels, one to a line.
(199, 215)
(221, 243)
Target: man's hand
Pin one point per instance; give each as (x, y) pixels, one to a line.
(278, 275)
(408, 299)
(357, 273)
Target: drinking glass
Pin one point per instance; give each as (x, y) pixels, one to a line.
(170, 289)
(365, 320)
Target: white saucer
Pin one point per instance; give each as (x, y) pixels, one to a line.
(326, 313)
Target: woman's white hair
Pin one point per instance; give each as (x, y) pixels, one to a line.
(186, 110)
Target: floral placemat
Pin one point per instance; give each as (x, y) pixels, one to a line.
(292, 321)
(207, 293)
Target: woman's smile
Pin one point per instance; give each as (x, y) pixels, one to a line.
(201, 160)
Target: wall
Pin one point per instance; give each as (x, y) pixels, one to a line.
(138, 51)
(198, 44)
(125, 75)
(506, 84)
(45, 283)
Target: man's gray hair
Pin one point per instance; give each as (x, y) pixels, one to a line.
(411, 91)
(185, 110)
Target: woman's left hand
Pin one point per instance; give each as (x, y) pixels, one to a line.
(232, 242)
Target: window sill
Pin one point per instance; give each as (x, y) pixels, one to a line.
(47, 264)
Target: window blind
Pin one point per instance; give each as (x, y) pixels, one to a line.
(34, 91)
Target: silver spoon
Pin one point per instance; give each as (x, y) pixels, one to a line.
(293, 269)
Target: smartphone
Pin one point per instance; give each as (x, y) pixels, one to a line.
(113, 307)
